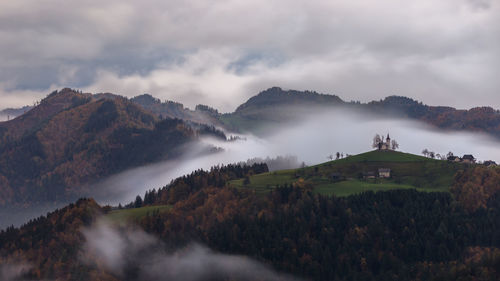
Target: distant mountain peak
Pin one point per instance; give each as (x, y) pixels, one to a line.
(400, 100)
(275, 96)
(146, 99)
(65, 93)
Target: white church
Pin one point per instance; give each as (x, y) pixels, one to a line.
(385, 145)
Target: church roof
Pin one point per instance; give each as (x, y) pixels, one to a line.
(468, 157)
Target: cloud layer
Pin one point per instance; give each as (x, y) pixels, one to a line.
(221, 52)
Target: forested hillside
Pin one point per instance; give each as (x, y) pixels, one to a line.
(392, 235)
(71, 139)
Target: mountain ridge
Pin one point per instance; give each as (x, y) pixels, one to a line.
(251, 114)
(271, 105)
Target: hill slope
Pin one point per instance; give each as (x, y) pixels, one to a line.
(348, 176)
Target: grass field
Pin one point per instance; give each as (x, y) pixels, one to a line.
(124, 215)
(408, 171)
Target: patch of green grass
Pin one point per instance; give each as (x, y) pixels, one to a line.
(267, 179)
(125, 215)
(350, 187)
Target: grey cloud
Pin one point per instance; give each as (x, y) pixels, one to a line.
(140, 256)
(480, 4)
(221, 52)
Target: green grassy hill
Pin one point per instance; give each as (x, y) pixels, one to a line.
(345, 176)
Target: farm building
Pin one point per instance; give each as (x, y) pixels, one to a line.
(384, 173)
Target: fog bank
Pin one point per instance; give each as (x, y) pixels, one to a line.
(134, 254)
(311, 140)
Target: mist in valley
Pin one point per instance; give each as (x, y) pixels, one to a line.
(311, 138)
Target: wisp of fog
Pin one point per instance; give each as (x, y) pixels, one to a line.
(13, 271)
(136, 255)
(311, 139)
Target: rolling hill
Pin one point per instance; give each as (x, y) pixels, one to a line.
(348, 176)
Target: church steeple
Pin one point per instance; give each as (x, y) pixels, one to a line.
(388, 142)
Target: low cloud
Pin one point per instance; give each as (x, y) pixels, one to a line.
(311, 137)
(13, 271)
(140, 256)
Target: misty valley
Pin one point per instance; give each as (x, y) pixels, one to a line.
(292, 185)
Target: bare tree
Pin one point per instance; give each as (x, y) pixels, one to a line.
(425, 152)
(330, 157)
(377, 140)
(394, 144)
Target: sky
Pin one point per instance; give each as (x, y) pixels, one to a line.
(222, 52)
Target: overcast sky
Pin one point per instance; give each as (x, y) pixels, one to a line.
(220, 53)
